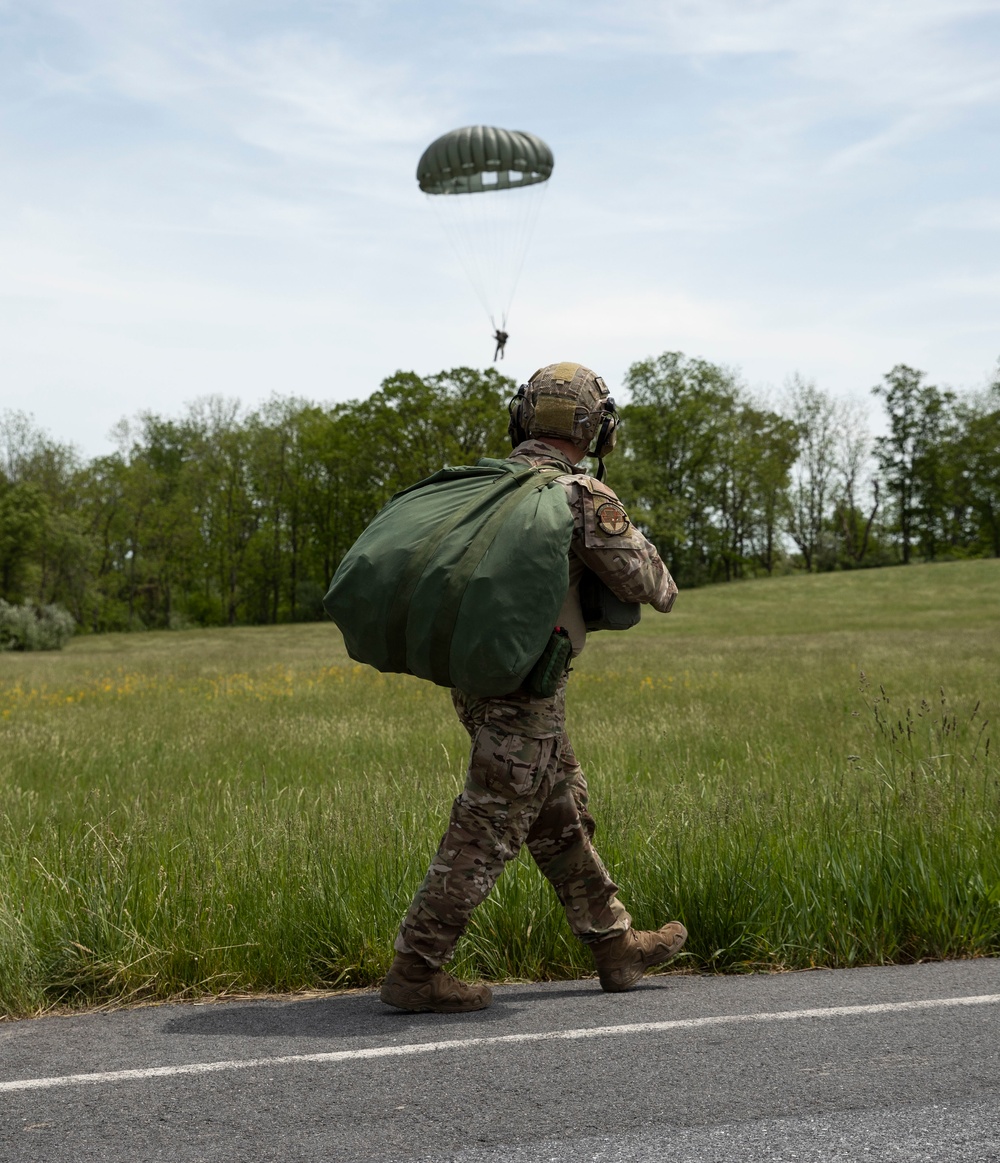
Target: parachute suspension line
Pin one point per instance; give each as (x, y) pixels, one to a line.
(456, 235)
(536, 197)
(478, 239)
(490, 239)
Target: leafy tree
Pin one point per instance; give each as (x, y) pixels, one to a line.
(773, 445)
(704, 468)
(412, 426)
(977, 463)
(852, 528)
(43, 546)
(818, 421)
(224, 503)
(748, 488)
(336, 495)
(671, 433)
(910, 456)
(227, 516)
(23, 513)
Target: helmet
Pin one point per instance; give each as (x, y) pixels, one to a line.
(566, 400)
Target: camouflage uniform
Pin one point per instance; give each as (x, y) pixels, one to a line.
(524, 784)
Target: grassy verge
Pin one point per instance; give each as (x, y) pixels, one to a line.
(801, 770)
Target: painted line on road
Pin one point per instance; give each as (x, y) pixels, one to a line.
(403, 1051)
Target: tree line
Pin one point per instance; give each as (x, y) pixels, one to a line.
(224, 516)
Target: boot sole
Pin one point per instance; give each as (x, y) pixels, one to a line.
(443, 1007)
(438, 1009)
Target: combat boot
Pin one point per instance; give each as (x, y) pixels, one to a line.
(622, 959)
(412, 984)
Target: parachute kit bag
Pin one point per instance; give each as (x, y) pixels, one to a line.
(460, 578)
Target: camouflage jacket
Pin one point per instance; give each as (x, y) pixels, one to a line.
(604, 540)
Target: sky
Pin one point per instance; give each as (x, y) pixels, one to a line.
(219, 197)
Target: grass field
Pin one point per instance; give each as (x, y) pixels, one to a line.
(799, 769)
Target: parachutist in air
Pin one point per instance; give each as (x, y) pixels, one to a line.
(477, 177)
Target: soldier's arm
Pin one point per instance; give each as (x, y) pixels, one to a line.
(607, 542)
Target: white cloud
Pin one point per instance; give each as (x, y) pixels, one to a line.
(906, 70)
(214, 197)
(304, 98)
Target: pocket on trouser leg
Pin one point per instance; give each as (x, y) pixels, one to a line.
(504, 767)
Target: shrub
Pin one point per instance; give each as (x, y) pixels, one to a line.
(28, 627)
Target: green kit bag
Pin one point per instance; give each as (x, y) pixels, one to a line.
(460, 578)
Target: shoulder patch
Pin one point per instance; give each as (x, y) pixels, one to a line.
(612, 518)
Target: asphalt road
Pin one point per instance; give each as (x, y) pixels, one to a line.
(869, 1064)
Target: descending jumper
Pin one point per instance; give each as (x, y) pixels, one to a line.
(490, 236)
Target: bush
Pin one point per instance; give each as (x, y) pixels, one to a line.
(28, 627)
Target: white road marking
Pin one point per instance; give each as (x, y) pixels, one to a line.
(499, 1040)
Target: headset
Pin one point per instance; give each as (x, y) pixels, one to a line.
(515, 425)
(607, 434)
(603, 442)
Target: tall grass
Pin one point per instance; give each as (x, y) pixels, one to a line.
(804, 778)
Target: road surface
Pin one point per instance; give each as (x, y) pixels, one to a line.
(899, 1063)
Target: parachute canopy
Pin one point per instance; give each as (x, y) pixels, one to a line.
(480, 158)
(490, 235)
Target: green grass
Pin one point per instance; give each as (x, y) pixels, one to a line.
(243, 810)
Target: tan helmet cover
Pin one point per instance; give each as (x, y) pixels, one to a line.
(565, 400)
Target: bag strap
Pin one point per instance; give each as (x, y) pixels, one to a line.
(399, 611)
(450, 604)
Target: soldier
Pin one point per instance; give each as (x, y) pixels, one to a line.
(501, 337)
(524, 784)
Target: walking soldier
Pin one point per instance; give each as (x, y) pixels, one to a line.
(524, 784)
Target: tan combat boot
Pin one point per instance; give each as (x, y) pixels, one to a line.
(622, 959)
(412, 984)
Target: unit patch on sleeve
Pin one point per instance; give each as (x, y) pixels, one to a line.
(612, 519)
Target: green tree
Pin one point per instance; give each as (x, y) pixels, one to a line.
(977, 468)
(412, 426)
(852, 522)
(227, 515)
(671, 434)
(818, 421)
(748, 487)
(45, 552)
(23, 515)
(773, 442)
(336, 495)
(705, 469)
(910, 457)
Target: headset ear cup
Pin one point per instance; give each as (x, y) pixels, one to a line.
(515, 425)
(609, 424)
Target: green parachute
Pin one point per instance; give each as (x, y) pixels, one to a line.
(490, 236)
(481, 158)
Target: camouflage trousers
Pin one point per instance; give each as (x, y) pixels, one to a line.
(523, 786)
